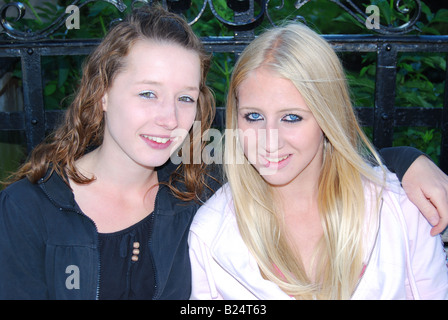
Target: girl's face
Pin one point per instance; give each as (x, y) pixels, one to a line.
(152, 102)
(273, 114)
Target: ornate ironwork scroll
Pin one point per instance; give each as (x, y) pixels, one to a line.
(237, 6)
(44, 33)
(361, 16)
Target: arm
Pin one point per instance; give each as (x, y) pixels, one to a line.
(425, 184)
(22, 252)
(399, 159)
(427, 187)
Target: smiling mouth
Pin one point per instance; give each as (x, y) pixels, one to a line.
(276, 160)
(157, 139)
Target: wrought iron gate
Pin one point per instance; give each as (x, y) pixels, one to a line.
(387, 43)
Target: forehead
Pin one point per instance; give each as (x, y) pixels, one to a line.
(162, 59)
(266, 89)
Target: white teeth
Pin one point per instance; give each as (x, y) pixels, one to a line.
(276, 159)
(156, 139)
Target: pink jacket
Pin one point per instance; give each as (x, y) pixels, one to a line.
(404, 261)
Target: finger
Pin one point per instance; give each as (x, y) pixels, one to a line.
(426, 207)
(440, 227)
(441, 205)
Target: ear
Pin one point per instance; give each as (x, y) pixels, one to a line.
(104, 100)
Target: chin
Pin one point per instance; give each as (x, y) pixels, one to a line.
(274, 179)
(152, 163)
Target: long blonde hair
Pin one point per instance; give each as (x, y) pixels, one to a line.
(299, 54)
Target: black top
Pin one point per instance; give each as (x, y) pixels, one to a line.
(127, 271)
(52, 248)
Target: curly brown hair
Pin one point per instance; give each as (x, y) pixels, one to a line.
(83, 125)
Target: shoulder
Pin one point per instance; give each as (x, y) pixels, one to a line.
(393, 193)
(396, 208)
(216, 207)
(20, 191)
(47, 195)
(386, 183)
(214, 214)
(19, 203)
(386, 196)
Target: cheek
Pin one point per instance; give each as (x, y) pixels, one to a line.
(308, 140)
(186, 117)
(186, 121)
(128, 119)
(316, 136)
(248, 142)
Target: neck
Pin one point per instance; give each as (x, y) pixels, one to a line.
(301, 193)
(116, 170)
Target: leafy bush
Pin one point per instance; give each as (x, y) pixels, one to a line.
(420, 78)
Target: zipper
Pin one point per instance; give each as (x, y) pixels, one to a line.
(97, 295)
(151, 227)
(83, 215)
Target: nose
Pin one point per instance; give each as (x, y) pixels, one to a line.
(271, 137)
(167, 115)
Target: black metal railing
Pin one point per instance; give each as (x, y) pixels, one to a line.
(387, 43)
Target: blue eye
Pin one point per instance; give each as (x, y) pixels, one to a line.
(253, 116)
(292, 118)
(147, 94)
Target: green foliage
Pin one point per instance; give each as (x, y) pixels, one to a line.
(208, 25)
(219, 76)
(425, 139)
(420, 77)
(12, 152)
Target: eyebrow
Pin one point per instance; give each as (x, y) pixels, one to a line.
(151, 82)
(279, 111)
